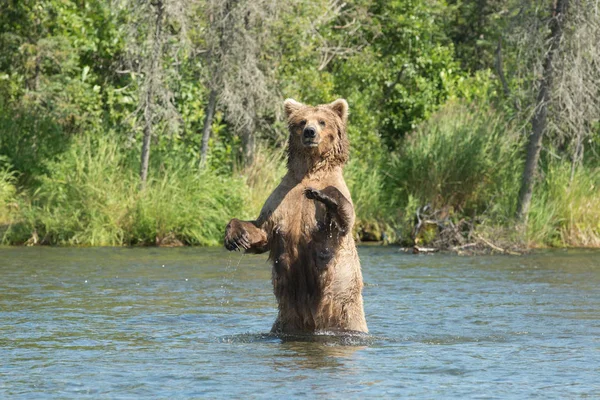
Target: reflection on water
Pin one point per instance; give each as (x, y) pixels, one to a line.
(187, 323)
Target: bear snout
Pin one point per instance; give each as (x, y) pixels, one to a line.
(310, 136)
(310, 132)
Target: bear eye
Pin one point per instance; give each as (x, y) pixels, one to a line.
(303, 122)
(322, 123)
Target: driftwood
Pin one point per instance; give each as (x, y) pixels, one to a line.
(497, 248)
(418, 250)
(459, 237)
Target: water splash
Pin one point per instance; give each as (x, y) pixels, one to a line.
(327, 338)
(228, 278)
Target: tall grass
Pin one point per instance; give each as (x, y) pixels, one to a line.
(374, 218)
(564, 212)
(91, 197)
(263, 177)
(465, 161)
(8, 199)
(463, 158)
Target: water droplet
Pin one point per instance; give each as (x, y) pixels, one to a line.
(186, 279)
(163, 265)
(86, 281)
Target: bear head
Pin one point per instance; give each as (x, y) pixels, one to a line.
(317, 134)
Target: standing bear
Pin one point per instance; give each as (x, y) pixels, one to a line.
(306, 225)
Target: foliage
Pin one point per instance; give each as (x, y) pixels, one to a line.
(566, 212)
(90, 197)
(459, 159)
(29, 139)
(441, 94)
(408, 69)
(8, 198)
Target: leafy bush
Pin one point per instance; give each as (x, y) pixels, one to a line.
(28, 140)
(366, 183)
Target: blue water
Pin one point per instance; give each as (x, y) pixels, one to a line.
(193, 322)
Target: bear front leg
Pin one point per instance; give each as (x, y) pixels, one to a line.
(245, 235)
(338, 206)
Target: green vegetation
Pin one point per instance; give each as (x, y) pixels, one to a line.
(442, 96)
(90, 197)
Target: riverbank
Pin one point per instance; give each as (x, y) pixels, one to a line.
(453, 184)
(169, 214)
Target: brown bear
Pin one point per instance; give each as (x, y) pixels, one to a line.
(306, 225)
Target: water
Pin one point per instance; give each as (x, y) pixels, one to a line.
(115, 323)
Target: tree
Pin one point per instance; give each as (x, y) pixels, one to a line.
(151, 86)
(539, 122)
(412, 62)
(50, 88)
(239, 40)
(577, 94)
(209, 114)
(158, 32)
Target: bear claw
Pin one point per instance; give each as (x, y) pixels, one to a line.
(311, 193)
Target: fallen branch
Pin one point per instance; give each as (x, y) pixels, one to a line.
(464, 246)
(494, 247)
(417, 250)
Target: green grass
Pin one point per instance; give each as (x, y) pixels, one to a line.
(460, 159)
(365, 180)
(90, 197)
(262, 178)
(465, 162)
(564, 212)
(8, 199)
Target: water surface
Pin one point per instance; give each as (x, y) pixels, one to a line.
(193, 322)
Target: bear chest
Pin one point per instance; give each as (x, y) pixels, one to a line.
(302, 241)
(298, 218)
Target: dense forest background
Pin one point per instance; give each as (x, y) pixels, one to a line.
(129, 122)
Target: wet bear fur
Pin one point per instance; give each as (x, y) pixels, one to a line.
(306, 226)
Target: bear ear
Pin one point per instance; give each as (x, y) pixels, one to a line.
(340, 107)
(291, 106)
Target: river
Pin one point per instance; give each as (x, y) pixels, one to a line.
(194, 322)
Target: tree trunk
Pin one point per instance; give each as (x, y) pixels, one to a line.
(146, 146)
(577, 155)
(500, 68)
(150, 89)
(540, 117)
(248, 143)
(208, 120)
